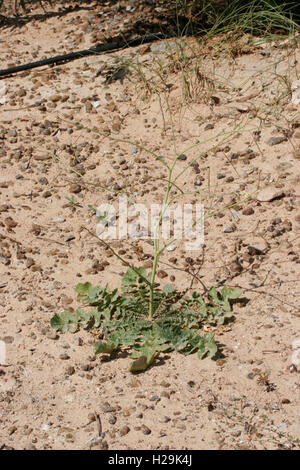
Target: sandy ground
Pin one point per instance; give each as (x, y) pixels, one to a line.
(69, 131)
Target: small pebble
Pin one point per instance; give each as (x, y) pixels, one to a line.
(154, 398)
(164, 419)
(163, 383)
(276, 140)
(11, 430)
(64, 356)
(229, 228)
(52, 335)
(162, 274)
(124, 430)
(171, 248)
(91, 417)
(248, 211)
(75, 188)
(112, 419)
(107, 408)
(70, 370)
(145, 430)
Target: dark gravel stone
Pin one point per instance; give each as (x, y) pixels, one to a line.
(248, 211)
(145, 430)
(70, 370)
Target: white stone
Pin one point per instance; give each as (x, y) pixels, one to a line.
(2, 93)
(2, 353)
(171, 248)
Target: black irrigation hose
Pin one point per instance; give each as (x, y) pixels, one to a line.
(77, 55)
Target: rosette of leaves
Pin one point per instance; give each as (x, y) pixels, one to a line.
(123, 321)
